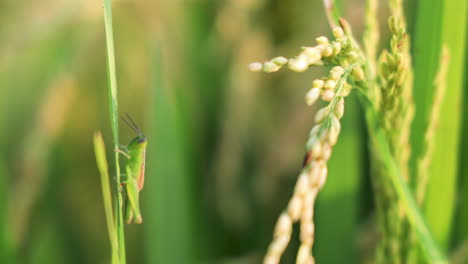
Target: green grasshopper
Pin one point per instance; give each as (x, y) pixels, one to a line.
(135, 152)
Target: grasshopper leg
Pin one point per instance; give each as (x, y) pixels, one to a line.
(128, 212)
(127, 203)
(133, 199)
(122, 150)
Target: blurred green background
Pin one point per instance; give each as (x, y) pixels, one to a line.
(225, 145)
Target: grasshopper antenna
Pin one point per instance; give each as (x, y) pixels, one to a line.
(131, 124)
(134, 125)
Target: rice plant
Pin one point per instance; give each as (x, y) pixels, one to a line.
(115, 224)
(385, 87)
(370, 169)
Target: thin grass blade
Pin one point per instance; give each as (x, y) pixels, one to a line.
(100, 152)
(114, 116)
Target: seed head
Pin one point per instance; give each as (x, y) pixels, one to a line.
(321, 114)
(255, 67)
(358, 73)
(270, 67)
(283, 225)
(314, 131)
(322, 137)
(336, 72)
(322, 40)
(338, 32)
(312, 96)
(295, 208)
(328, 95)
(336, 46)
(312, 54)
(280, 61)
(339, 108)
(302, 184)
(314, 170)
(330, 84)
(334, 131)
(271, 259)
(314, 176)
(346, 89)
(393, 24)
(316, 149)
(352, 55)
(307, 231)
(327, 51)
(298, 65)
(279, 244)
(303, 255)
(318, 84)
(326, 152)
(323, 176)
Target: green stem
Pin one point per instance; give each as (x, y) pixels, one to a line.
(113, 108)
(100, 151)
(380, 144)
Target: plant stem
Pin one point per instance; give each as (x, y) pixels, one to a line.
(100, 151)
(113, 108)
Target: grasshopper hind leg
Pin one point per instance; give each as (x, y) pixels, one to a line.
(127, 203)
(128, 213)
(133, 204)
(133, 201)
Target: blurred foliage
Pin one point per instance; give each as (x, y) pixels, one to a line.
(225, 145)
(430, 36)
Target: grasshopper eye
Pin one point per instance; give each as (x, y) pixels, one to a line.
(142, 140)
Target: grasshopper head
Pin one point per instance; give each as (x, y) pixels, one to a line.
(139, 142)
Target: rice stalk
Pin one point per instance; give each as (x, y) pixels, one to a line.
(333, 89)
(390, 148)
(382, 149)
(114, 113)
(396, 110)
